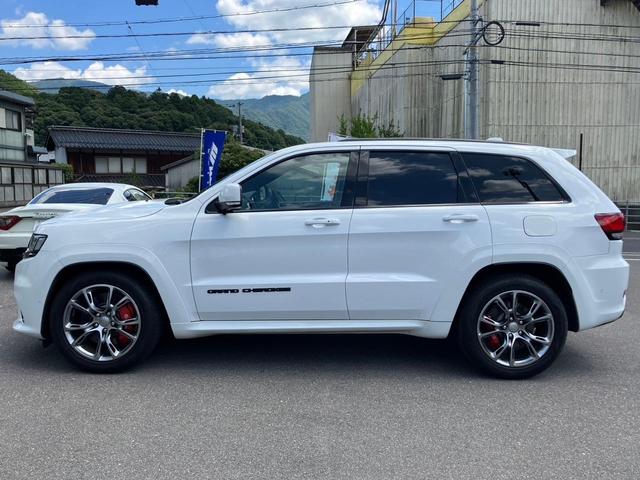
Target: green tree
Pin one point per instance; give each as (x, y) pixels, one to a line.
(363, 126)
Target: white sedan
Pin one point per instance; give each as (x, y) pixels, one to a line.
(17, 225)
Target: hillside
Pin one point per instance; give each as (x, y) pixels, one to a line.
(286, 112)
(122, 108)
(55, 84)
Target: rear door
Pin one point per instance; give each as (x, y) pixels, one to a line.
(416, 230)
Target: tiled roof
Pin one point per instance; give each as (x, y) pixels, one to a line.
(143, 180)
(16, 98)
(112, 138)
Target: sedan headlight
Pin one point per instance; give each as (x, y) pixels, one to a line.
(35, 244)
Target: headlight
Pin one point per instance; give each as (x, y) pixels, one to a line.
(35, 244)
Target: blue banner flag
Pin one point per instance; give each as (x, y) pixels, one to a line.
(212, 146)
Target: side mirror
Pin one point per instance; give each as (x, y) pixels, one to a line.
(229, 199)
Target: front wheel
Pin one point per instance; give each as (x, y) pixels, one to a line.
(513, 327)
(104, 322)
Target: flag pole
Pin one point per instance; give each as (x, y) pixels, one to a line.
(200, 177)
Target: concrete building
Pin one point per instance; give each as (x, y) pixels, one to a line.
(21, 175)
(566, 75)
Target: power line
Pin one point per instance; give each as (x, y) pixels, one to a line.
(185, 19)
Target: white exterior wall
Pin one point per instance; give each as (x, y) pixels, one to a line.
(330, 90)
(177, 177)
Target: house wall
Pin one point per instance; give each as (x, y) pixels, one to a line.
(83, 161)
(179, 176)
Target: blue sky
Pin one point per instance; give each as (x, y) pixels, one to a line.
(223, 74)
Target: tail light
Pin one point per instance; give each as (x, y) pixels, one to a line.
(7, 222)
(612, 224)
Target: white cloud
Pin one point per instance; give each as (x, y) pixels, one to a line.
(291, 72)
(35, 24)
(231, 40)
(180, 92)
(365, 12)
(282, 76)
(97, 72)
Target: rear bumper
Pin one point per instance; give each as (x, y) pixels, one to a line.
(605, 279)
(9, 255)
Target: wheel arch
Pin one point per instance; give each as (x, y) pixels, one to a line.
(120, 267)
(544, 272)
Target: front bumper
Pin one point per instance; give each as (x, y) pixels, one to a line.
(32, 281)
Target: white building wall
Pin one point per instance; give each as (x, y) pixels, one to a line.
(330, 90)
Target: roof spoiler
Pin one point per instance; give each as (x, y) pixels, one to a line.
(565, 153)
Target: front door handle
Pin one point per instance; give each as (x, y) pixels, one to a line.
(321, 222)
(460, 218)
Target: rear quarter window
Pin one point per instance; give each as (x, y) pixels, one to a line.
(506, 179)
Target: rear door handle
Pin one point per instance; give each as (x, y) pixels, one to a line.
(460, 218)
(321, 222)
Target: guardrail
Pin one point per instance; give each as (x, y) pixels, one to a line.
(631, 211)
(393, 26)
(161, 195)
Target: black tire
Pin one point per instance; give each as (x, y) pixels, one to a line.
(467, 333)
(151, 321)
(11, 266)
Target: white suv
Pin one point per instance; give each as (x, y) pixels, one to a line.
(506, 247)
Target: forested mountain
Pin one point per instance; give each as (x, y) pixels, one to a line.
(288, 112)
(122, 108)
(53, 85)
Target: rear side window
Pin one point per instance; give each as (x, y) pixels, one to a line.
(411, 178)
(504, 179)
(97, 196)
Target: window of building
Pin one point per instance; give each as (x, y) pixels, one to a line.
(503, 179)
(121, 165)
(12, 120)
(300, 183)
(411, 178)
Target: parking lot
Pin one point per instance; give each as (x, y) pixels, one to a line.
(322, 407)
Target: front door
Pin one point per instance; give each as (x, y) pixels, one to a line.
(415, 232)
(283, 255)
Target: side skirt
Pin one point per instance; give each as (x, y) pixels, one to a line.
(419, 328)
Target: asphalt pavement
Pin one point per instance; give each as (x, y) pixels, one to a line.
(302, 406)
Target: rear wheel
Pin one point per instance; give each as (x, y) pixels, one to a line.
(513, 327)
(105, 322)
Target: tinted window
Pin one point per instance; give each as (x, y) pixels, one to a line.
(407, 178)
(502, 179)
(306, 182)
(98, 196)
(136, 195)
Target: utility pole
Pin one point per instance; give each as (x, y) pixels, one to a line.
(240, 120)
(471, 77)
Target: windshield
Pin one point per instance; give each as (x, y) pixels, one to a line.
(96, 196)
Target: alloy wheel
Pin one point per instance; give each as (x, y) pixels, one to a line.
(102, 322)
(515, 328)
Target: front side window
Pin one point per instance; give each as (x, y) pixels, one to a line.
(504, 179)
(95, 196)
(411, 178)
(301, 183)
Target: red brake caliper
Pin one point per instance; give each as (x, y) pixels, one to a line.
(494, 341)
(126, 312)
